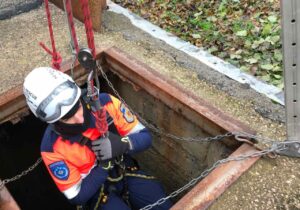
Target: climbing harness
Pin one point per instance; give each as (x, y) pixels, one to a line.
(123, 173)
(102, 199)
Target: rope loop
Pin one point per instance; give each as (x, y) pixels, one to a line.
(56, 58)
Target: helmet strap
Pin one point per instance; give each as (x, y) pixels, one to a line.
(66, 130)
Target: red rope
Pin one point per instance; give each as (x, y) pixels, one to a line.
(88, 26)
(71, 23)
(56, 58)
(99, 114)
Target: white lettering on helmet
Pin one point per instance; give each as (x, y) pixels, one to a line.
(53, 73)
(28, 94)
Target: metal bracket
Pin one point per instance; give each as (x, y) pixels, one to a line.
(290, 149)
(290, 12)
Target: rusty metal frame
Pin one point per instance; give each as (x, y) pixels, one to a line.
(195, 109)
(184, 102)
(212, 186)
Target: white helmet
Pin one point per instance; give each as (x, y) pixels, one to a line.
(50, 94)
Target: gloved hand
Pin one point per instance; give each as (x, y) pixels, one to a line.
(110, 146)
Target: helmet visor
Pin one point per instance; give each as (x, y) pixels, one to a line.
(51, 107)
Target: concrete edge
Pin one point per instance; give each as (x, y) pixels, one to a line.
(206, 58)
(16, 9)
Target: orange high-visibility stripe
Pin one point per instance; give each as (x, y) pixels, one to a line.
(121, 119)
(78, 158)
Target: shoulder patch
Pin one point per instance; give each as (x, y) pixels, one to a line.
(127, 115)
(60, 170)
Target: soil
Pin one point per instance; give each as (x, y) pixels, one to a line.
(269, 184)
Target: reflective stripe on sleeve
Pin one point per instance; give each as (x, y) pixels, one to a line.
(83, 175)
(73, 191)
(136, 128)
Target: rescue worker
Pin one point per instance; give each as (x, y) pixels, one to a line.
(90, 168)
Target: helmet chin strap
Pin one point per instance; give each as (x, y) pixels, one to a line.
(66, 130)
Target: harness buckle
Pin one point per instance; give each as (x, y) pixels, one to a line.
(104, 199)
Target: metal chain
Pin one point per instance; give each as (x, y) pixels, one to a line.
(156, 130)
(189, 139)
(258, 138)
(23, 173)
(207, 171)
(275, 147)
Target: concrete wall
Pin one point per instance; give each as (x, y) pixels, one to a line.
(173, 162)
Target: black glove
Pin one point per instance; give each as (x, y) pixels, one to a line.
(110, 146)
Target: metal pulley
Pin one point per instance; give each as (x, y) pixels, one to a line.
(86, 59)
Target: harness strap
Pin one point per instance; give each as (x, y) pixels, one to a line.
(115, 179)
(102, 199)
(140, 176)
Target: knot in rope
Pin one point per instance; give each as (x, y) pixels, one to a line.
(56, 58)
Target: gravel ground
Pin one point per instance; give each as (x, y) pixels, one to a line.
(269, 184)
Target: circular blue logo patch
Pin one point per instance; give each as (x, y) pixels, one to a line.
(60, 170)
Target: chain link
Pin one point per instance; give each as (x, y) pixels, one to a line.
(207, 171)
(275, 146)
(156, 130)
(23, 173)
(189, 139)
